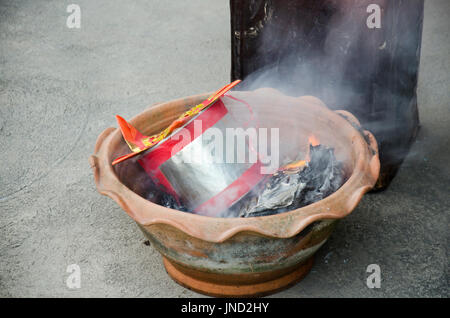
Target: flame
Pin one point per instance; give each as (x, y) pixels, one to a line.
(313, 141)
(294, 165)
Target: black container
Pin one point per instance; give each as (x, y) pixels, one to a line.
(327, 48)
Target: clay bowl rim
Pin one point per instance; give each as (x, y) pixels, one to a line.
(217, 230)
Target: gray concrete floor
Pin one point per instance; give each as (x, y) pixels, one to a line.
(60, 87)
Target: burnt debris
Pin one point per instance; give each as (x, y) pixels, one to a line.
(283, 191)
(292, 189)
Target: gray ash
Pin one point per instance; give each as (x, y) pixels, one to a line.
(289, 190)
(157, 194)
(167, 200)
(283, 191)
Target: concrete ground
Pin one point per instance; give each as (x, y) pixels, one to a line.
(60, 87)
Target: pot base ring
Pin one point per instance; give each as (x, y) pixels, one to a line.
(251, 290)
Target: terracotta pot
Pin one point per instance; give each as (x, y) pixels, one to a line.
(242, 256)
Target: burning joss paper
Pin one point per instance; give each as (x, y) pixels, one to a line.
(220, 189)
(294, 186)
(297, 186)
